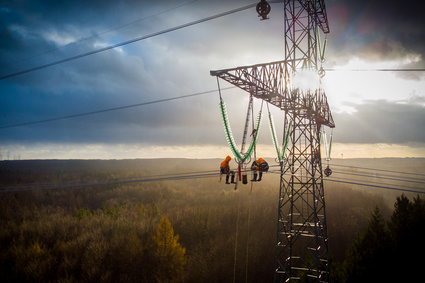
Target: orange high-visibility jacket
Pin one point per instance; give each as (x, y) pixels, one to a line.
(256, 166)
(225, 162)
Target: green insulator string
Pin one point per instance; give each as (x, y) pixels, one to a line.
(228, 132)
(281, 153)
(273, 133)
(240, 158)
(330, 147)
(286, 138)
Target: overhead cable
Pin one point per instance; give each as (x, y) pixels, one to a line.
(108, 109)
(182, 176)
(115, 182)
(382, 170)
(379, 177)
(376, 70)
(374, 186)
(97, 34)
(128, 42)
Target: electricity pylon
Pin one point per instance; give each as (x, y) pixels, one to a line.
(302, 241)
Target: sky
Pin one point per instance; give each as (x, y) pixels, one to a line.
(377, 114)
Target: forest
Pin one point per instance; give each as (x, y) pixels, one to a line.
(190, 230)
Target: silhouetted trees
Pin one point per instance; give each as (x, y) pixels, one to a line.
(389, 251)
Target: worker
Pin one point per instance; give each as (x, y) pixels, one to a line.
(225, 169)
(261, 166)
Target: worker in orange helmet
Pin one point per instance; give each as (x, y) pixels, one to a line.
(225, 169)
(261, 166)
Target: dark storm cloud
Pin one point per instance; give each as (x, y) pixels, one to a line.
(376, 29)
(382, 122)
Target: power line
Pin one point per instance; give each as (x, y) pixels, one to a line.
(127, 42)
(379, 185)
(115, 182)
(383, 184)
(374, 174)
(107, 109)
(376, 70)
(147, 177)
(110, 29)
(183, 176)
(374, 186)
(380, 177)
(382, 170)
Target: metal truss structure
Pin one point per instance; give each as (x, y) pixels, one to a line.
(302, 242)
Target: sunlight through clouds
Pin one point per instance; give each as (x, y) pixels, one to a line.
(345, 87)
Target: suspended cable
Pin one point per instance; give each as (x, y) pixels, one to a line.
(177, 176)
(380, 177)
(115, 182)
(248, 235)
(383, 184)
(383, 170)
(127, 42)
(236, 240)
(375, 70)
(96, 35)
(170, 175)
(374, 186)
(355, 182)
(108, 109)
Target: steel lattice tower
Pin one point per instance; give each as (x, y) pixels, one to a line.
(302, 242)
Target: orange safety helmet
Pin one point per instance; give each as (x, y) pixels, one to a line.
(226, 161)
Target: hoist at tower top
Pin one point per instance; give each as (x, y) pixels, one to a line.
(315, 7)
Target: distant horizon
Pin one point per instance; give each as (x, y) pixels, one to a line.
(176, 158)
(131, 151)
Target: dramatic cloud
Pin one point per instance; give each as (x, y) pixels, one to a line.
(178, 63)
(382, 122)
(377, 30)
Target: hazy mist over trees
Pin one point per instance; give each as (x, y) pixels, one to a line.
(196, 230)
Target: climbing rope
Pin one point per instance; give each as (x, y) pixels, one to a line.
(236, 240)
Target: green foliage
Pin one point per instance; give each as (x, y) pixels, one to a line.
(92, 246)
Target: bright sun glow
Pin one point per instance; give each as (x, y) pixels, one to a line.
(346, 87)
(306, 79)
